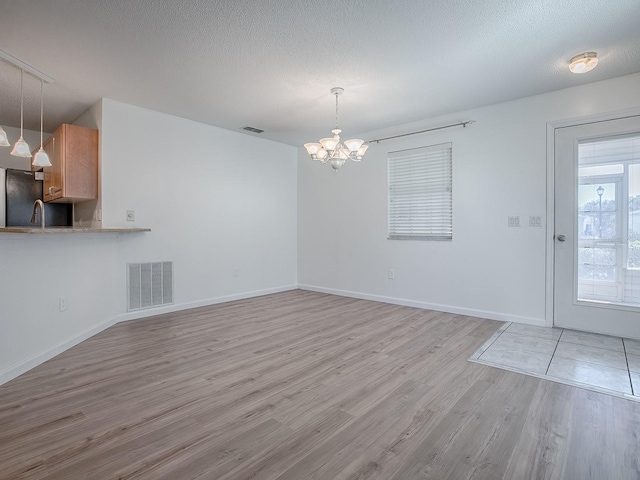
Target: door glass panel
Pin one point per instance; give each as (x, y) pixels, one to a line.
(633, 258)
(607, 260)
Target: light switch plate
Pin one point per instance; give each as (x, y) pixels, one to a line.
(535, 221)
(514, 221)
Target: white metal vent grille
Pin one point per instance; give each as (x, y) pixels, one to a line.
(149, 285)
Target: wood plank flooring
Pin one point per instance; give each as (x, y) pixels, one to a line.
(302, 385)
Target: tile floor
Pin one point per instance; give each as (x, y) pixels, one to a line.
(596, 362)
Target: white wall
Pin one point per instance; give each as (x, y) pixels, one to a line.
(488, 270)
(214, 199)
(88, 214)
(35, 271)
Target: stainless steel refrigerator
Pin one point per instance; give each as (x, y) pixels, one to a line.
(20, 190)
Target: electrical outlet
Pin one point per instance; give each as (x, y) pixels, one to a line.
(236, 272)
(514, 221)
(98, 215)
(62, 304)
(391, 274)
(131, 216)
(535, 221)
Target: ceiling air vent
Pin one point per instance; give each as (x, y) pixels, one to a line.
(252, 129)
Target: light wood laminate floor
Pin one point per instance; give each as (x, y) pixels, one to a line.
(302, 385)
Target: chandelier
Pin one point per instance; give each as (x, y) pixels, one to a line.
(331, 150)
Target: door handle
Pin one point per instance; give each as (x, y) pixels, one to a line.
(561, 238)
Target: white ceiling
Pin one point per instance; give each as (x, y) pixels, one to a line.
(270, 64)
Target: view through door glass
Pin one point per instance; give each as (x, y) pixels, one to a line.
(596, 274)
(608, 226)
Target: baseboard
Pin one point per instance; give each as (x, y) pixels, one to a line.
(21, 367)
(24, 366)
(125, 317)
(503, 317)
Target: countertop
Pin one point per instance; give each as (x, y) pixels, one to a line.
(69, 230)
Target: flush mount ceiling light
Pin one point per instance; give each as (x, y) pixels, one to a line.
(41, 159)
(21, 148)
(583, 63)
(331, 150)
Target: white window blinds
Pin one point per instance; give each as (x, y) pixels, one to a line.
(420, 193)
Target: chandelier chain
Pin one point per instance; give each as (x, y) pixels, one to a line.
(336, 110)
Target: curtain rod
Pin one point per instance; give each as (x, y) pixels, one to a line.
(461, 124)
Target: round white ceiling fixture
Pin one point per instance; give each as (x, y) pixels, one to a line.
(583, 63)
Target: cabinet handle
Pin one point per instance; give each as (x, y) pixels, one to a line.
(53, 190)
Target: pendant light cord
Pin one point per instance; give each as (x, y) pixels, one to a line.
(21, 101)
(41, 109)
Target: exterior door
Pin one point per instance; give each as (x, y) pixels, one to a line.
(597, 227)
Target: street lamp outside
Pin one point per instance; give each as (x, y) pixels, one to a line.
(600, 191)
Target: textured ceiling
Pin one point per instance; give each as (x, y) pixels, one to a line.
(270, 63)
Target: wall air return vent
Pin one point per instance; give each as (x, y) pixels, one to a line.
(149, 285)
(252, 129)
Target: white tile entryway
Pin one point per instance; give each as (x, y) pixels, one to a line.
(596, 362)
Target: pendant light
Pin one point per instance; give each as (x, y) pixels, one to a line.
(21, 148)
(41, 159)
(4, 141)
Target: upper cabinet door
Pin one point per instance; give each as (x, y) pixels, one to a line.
(73, 176)
(53, 177)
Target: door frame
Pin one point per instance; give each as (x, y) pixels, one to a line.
(550, 225)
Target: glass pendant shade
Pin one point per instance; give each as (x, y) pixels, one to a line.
(360, 153)
(329, 144)
(354, 144)
(312, 148)
(41, 159)
(4, 141)
(322, 154)
(21, 149)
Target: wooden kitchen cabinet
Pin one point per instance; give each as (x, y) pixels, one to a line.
(73, 175)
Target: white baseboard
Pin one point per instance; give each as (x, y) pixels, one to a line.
(19, 368)
(24, 366)
(125, 317)
(503, 317)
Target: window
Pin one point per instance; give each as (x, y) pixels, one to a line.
(420, 193)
